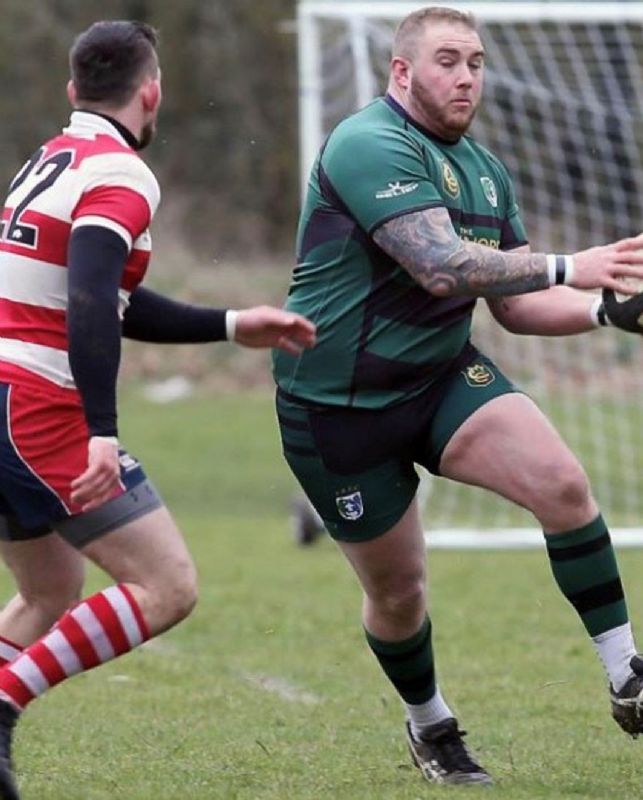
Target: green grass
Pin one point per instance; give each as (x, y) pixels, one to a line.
(268, 691)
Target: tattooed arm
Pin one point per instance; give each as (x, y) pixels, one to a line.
(427, 246)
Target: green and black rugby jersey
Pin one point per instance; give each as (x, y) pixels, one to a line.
(381, 337)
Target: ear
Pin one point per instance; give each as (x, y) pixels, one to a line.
(401, 72)
(72, 96)
(151, 94)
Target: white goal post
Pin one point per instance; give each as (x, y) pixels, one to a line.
(563, 108)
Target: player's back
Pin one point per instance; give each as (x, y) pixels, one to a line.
(88, 175)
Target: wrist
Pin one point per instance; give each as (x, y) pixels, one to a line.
(230, 324)
(113, 440)
(598, 315)
(560, 269)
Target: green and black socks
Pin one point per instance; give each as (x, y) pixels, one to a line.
(585, 569)
(408, 664)
(584, 566)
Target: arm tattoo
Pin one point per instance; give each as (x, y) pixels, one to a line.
(428, 248)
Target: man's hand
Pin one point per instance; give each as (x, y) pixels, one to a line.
(265, 326)
(606, 266)
(97, 483)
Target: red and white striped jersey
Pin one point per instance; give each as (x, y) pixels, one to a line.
(88, 175)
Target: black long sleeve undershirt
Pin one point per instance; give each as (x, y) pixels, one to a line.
(152, 317)
(96, 261)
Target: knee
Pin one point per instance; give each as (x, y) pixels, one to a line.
(570, 484)
(187, 600)
(182, 594)
(403, 597)
(172, 598)
(562, 485)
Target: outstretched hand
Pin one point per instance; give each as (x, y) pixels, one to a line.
(265, 326)
(610, 266)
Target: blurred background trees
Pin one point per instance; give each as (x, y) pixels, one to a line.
(226, 152)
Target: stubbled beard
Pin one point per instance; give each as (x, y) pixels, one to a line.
(147, 134)
(440, 122)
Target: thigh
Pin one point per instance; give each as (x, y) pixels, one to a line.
(357, 484)
(511, 448)
(471, 388)
(395, 559)
(147, 550)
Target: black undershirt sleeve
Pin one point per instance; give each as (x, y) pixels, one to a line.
(96, 259)
(152, 317)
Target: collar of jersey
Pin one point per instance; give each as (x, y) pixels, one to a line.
(92, 122)
(392, 102)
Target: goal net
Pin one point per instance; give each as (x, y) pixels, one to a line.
(563, 107)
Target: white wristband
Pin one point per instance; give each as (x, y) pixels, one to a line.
(230, 324)
(560, 269)
(109, 439)
(597, 314)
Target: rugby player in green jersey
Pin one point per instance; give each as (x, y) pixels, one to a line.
(407, 221)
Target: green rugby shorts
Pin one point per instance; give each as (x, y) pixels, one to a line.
(356, 465)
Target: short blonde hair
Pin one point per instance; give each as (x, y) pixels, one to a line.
(409, 31)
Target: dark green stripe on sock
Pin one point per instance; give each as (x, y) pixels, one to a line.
(585, 568)
(408, 664)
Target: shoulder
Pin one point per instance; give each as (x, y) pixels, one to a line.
(109, 164)
(373, 129)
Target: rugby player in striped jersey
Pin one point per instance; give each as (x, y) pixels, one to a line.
(74, 249)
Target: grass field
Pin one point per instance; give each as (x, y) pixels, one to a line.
(269, 691)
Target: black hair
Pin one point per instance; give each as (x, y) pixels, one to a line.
(109, 60)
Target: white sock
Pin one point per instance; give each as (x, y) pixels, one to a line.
(434, 710)
(615, 648)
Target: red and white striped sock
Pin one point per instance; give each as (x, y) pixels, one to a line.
(8, 651)
(97, 630)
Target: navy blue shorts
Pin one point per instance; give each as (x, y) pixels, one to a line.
(43, 447)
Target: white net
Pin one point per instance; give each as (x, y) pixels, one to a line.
(563, 108)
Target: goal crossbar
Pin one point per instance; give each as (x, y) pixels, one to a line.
(499, 11)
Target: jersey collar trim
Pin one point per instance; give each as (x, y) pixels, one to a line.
(405, 115)
(93, 123)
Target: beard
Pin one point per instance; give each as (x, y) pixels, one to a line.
(147, 135)
(448, 123)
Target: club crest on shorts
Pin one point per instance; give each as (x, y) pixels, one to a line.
(350, 505)
(478, 375)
